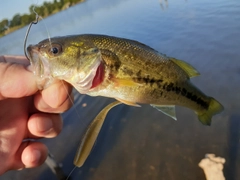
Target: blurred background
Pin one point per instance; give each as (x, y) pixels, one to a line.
(142, 143)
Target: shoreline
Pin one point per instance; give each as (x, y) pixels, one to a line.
(10, 30)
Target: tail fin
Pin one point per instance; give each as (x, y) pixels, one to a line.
(214, 108)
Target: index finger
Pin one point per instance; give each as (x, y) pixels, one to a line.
(15, 80)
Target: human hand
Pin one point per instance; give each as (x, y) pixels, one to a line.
(26, 113)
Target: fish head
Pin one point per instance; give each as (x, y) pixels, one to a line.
(65, 58)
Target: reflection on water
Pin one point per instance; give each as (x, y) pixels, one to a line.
(163, 4)
(141, 143)
(233, 143)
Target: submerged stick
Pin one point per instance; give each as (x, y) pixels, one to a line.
(91, 135)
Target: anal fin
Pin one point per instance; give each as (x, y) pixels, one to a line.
(169, 110)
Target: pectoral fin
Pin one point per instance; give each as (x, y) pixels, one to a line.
(191, 71)
(91, 135)
(168, 110)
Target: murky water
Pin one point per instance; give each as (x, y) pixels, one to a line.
(141, 143)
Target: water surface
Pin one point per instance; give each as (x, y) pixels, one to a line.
(141, 143)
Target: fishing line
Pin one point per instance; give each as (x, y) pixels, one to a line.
(71, 172)
(70, 98)
(49, 38)
(27, 56)
(78, 115)
(72, 102)
(48, 34)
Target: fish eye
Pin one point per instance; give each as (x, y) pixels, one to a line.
(55, 49)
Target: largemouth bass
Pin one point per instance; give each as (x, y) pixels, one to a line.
(126, 70)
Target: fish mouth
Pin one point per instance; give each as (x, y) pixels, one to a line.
(38, 64)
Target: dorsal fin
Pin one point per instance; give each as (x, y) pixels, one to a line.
(191, 71)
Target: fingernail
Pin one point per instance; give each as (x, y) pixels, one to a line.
(44, 125)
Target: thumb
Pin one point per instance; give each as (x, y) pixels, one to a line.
(15, 80)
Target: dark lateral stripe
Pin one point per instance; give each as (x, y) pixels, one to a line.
(149, 81)
(170, 87)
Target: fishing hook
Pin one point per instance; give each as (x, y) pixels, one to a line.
(26, 36)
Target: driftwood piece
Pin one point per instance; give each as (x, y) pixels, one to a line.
(212, 167)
